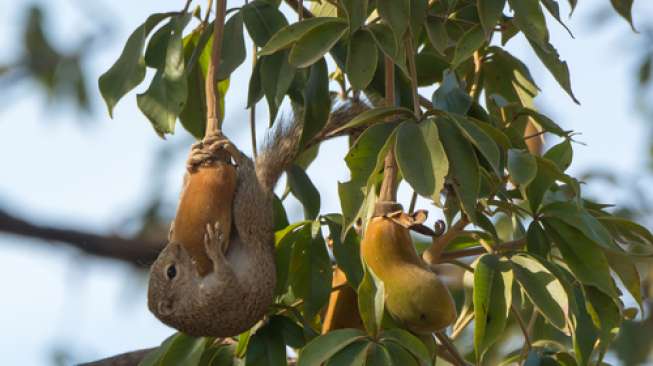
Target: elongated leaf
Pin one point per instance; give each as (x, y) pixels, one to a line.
(290, 34)
(587, 263)
(624, 267)
(484, 143)
(582, 220)
(362, 59)
(354, 354)
(322, 348)
(266, 347)
(304, 190)
(399, 355)
(347, 251)
(437, 34)
(492, 299)
(177, 350)
(543, 289)
(276, 76)
(545, 122)
(262, 20)
(463, 166)
(625, 9)
(490, 11)
(472, 40)
(164, 100)
(317, 100)
(310, 271)
(554, 9)
(375, 115)
(408, 341)
(450, 97)
(538, 242)
(529, 18)
(397, 14)
(558, 68)
(522, 167)
(414, 160)
(233, 47)
(371, 301)
(129, 70)
(561, 154)
(315, 43)
(356, 13)
(439, 161)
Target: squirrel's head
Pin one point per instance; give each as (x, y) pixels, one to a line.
(172, 279)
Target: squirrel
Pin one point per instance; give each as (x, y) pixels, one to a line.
(237, 291)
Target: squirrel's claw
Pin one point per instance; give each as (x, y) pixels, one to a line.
(215, 244)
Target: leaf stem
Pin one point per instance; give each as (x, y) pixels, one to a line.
(213, 116)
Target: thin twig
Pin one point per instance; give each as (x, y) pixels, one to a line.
(527, 344)
(449, 346)
(459, 330)
(522, 326)
(208, 12)
(413, 202)
(410, 51)
(213, 117)
(432, 254)
(252, 109)
(475, 91)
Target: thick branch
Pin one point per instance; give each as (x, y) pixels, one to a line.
(136, 251)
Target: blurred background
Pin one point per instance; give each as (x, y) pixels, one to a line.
(85, 200)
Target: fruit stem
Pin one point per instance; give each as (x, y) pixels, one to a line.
(389, 187)
(432, 254)
(213, 116)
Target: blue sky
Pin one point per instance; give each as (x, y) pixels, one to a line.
(62, 168)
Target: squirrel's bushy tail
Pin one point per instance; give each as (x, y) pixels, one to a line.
(278, 152)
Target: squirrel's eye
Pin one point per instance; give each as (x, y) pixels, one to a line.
(171, 272)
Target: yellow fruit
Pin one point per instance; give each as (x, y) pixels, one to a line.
(342, 311)
(206, 199)
(415, 296)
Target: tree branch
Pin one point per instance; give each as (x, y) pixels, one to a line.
(135, 251)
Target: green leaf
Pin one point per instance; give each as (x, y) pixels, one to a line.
(371, 301)
(605, 314)
(408, 341)
(463, 166)
(293, 333)
(347, 251)
(582, 220)
(164, 100)
(587, 263)
(399, 355)
(362, 59)
(418, 13)
(129, 70)
(318, 101)
(304, 190)
(543, 289)
(625, 9)
(155, 52)
(547, 174)
(624, 267)
(179, 349)
(262, 20)
(387, 43)
(554, 9)
(561, 154)
(322, 348)
(522, 167)
(545, 122)
(356, 13)
(352, 355)
(233, 47)
(255, 88)
(284, 241)
(266, 347)
(472, 40)
(437, 34)
(529, 18)
(484, 143)
(414, 159)
(558, 68)
(439, 162)
(397, 14)
(490, 12)
(290, 34)
(375, 115)
(315, 43)
(628, 232)
(276, 77)
(310, 271)
(450, 96)
(221, 355)
(537, 241)
(492, 299)
(378, 355)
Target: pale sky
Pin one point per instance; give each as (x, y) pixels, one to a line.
(59, 169)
